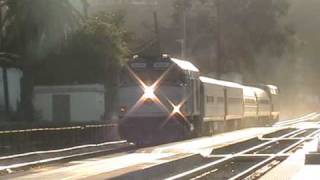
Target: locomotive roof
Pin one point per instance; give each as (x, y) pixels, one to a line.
(220, 82)
(139, 62)
(185, 65)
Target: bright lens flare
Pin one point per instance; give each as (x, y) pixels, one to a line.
(176, 109)
(149, 93)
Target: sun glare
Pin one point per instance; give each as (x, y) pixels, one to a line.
(149, 93)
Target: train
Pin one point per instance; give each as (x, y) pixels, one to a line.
(163, 99)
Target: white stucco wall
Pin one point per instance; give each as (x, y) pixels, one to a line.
(87, 106)
(43, 106)
(86, 102)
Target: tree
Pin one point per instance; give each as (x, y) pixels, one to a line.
(247, 29)
(252, 28)
(93, 54)
(32, 28)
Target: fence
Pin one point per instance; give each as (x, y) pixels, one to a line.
(52, 137)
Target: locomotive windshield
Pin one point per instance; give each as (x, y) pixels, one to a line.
(149, 72)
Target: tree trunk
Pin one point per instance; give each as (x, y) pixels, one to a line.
(26, 109)
(111, 86)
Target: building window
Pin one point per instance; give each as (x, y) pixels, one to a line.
(210, 99)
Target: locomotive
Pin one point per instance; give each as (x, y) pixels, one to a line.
(164, 99)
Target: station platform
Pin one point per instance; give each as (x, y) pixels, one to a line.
(294, 167)
(123, 163)
(204, 145)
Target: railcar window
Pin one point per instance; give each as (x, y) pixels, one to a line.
(264, 101)
(249, 101)
(220, 99)
(210, 99)
(149, 76)
(234, 100)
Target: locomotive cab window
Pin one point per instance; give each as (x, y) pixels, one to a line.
(151, 74)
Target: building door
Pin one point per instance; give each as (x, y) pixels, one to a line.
(61, 108)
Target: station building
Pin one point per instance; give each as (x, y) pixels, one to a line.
(70, 103)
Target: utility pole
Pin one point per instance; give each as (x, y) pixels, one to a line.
(85, 5)
(184, 33)
(156, 30)
(219, 47)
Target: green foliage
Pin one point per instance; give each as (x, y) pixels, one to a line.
(34, 27)
(31, 29)
(93, 53)
(248, 29)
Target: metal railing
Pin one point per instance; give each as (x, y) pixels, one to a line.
(53, 137)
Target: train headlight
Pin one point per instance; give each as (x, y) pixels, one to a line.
(123, 109)
(149, 92)
(176, 109)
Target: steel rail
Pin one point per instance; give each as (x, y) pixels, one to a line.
(56, 128)
(64, 149)
(307, 117)
(229, 157)
(271, 158)
(81, 155)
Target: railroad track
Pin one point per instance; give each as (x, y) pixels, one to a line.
(250, 159)
(308, 117)
(247, 159)
(11, 163)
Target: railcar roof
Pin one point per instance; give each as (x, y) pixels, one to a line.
(257, 90)
(220, 82)
(185, 65)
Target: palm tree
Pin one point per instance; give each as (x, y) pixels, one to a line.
(32, 28)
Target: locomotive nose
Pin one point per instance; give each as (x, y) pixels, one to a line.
(176, 109)
(149, 93)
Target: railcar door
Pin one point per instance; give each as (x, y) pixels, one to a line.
(196, 98)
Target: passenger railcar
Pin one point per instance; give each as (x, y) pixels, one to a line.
(222, 102)
(163, 99)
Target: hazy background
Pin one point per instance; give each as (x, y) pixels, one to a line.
(304, 17)
(249, 41)
(294, 69)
